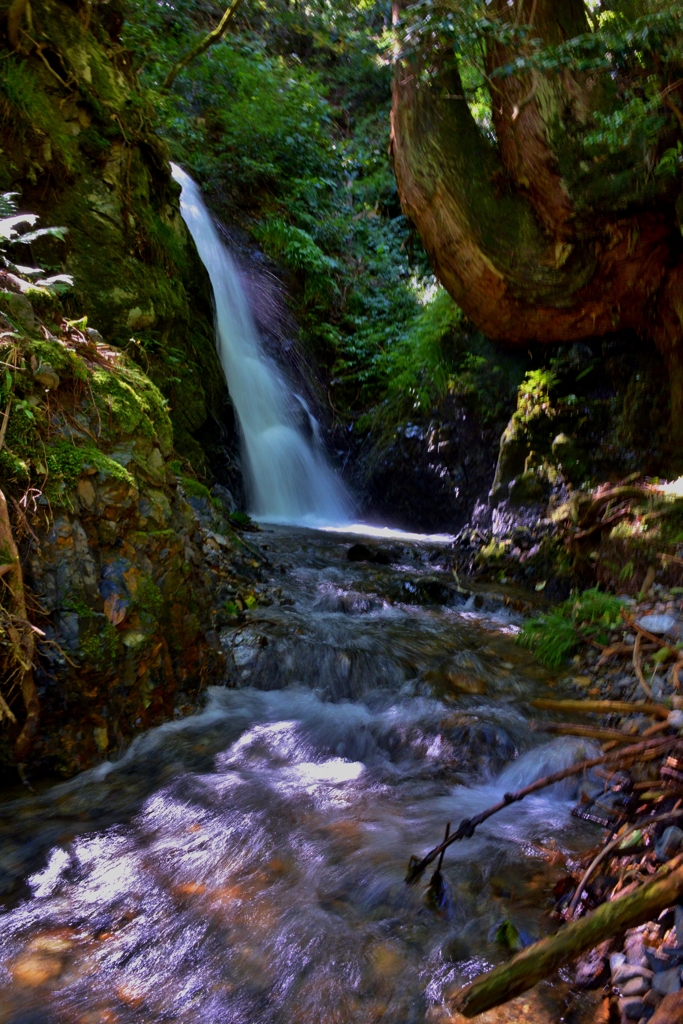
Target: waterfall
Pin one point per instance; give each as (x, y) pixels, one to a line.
(287, 477)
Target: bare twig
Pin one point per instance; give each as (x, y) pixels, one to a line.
(638, 668)
(466, 828)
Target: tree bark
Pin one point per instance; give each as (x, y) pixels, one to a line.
(530, 244)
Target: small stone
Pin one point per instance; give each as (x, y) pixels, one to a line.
(94, 335)
(669, 843)
(667, 981)
(635, 987)
(633, 947)
(626, 972)
(658, 624)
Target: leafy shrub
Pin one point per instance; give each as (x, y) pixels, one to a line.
(555, 636)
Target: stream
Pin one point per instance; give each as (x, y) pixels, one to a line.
(246, 864)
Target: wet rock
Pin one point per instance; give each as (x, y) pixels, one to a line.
(18, 308)
(363, 553)
(669, 842)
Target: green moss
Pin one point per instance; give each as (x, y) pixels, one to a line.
(134, 402)
(101, 649)
(66, 461)
(194, 488)
(149, 600)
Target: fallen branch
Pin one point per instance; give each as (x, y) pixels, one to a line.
(543, 958)
(209, 40)
(638, 668)
(467, 826)
(588, 732)
(603, 707)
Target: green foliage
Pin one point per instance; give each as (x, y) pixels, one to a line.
(556, 635)
(10, 222)
(296, 249)
(631, 53)
(286, 125)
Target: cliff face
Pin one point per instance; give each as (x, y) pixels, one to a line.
(114, 557)
(101, 427)
(80, 148)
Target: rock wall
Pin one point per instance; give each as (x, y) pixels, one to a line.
(122, 577)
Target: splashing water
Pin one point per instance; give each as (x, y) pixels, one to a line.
(288, 479)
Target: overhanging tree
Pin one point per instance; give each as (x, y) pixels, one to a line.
(537, 147)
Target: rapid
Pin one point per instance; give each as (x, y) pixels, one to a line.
(247, 864)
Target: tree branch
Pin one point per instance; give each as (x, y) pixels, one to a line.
(209, 40)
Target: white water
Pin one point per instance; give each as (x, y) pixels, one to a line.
(287, 478)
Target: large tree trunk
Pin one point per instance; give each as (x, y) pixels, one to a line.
(532, 241)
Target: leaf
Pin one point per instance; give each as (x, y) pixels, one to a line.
(8, 224)
(32, 236)
(59, 283)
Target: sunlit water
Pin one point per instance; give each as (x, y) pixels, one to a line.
(246, 865)
(286, 474)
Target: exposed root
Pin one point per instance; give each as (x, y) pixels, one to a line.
(20, 639)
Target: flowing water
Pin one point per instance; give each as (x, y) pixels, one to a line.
(286, 474)
(246, 865)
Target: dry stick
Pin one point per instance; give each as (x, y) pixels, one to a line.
(602, 707)
(589, 732)
(5, 419)
(638, 669)
(670, 558)
(617, 841)
(213, 37)
(543, 958)
(465, 829)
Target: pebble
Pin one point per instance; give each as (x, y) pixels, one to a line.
(657, 624)
(626, 972)
(637, 987)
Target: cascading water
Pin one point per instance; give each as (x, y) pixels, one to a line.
(288, 479)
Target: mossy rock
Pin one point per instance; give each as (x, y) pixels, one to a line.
(529, 488)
